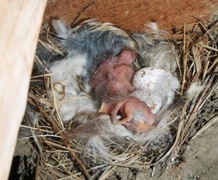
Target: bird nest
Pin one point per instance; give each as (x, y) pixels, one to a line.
(54, 154)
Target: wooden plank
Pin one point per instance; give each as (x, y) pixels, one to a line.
(20, 23)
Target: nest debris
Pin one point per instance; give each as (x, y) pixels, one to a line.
(56, 157)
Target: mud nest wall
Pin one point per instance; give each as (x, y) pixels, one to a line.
(133, 15)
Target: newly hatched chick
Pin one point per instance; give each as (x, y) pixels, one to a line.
(137, 115)
(112, 86)
(154, 93)
(112, 80)
(93, 42)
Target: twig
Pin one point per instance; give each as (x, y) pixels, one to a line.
(193, 113)
(107, 172)
(212, 121)
(37, 165)
(184, 60)
(209, 47)
(66, 143)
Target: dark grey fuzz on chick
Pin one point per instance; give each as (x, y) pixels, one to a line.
(93, 40)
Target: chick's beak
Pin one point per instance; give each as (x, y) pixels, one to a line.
(106, 107)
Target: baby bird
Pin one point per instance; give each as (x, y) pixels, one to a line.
(131, 112)
(112, 79)
(137, 115)
(112, 85)
(93, 42)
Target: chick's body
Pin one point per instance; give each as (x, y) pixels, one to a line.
(112, 80)
(137, 115)
(112, 84)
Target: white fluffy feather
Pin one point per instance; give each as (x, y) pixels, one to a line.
(60, 28)
(70, 99)
(194, 90)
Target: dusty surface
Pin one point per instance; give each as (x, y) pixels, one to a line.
(200, 159)
(133, 15)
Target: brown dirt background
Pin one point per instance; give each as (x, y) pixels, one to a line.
(201, 156)
(133, 15)
(200, 159)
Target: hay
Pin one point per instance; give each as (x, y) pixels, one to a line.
(58, 157)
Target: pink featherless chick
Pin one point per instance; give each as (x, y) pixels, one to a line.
(112, 85)
(136, 114)
(112, 79)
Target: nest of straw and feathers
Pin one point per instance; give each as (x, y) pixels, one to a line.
(56, 157)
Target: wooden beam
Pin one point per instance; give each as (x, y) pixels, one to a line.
(20, 23)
